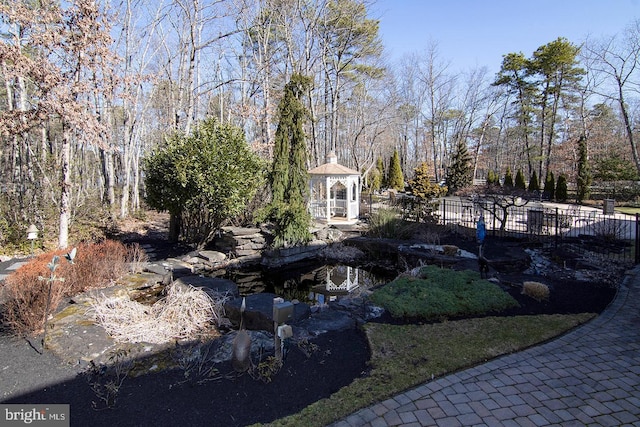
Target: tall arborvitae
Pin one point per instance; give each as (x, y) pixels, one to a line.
(492, 178)
(383, 176)
(561, 189)
(534, 183)
(396, 180)
(508, 178)
(289, 177)
(549, 186)
(583, 180)
(520, 182)
(459, 173)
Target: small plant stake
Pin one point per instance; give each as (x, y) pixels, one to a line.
(53, 265)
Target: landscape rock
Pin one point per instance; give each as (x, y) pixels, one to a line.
(329, 234)
(324, 321)
(280, 257)
(241, 231)
(172, 266)
(213, 256)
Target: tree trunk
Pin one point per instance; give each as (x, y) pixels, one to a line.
(628, 127)
(108, 174)
(65, 195)
(175, 222)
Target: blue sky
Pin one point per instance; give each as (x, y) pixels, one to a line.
(476, 33)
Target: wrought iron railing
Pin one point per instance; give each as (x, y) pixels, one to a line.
(610, 233)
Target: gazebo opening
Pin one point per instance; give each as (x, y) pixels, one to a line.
(338, 201)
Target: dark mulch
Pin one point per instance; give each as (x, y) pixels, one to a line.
(168, 398)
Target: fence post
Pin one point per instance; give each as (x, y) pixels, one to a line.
(557, 230)
(444, 212)
(637, 242)
(493, 219)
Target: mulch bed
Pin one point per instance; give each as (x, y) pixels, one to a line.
(169, 398)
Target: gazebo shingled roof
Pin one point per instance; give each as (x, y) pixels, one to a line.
(332, 169)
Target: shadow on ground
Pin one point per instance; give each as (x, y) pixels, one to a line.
(170, 398)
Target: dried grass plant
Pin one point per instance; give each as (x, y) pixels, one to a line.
(536, 290)
(183, 314)
(137, 257)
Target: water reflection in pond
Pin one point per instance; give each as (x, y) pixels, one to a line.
(312, 284)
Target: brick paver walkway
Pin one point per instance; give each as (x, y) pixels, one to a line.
(590, 376)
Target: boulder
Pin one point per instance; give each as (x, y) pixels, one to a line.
(329, 234)
(327, 320)
(171, 265)
(241, 231)
(281, 257)
(213, 256)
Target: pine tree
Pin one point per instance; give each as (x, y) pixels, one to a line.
(459, 173)
(549, 186)
(508, 178)
(520, 183)
(289, 177)
(534, 183)
(396, 180)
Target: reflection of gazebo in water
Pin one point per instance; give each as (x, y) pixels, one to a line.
(335, 192)
(341, 278)
(333, 282)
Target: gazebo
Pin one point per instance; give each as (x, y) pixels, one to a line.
(334, 192)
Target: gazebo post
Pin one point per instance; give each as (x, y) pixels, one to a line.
(349, 196)
(328, 199)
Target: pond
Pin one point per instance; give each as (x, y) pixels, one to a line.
(313, 284)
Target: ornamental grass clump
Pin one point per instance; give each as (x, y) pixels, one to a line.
(438, 293)
(388, 223)
(183, 314)
(536, 290)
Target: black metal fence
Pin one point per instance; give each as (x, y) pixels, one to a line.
(610, 234)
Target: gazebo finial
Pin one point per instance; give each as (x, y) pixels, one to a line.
(332, 158)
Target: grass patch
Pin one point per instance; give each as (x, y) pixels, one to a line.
(409, 355)
(438, 293)
(628, 210)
